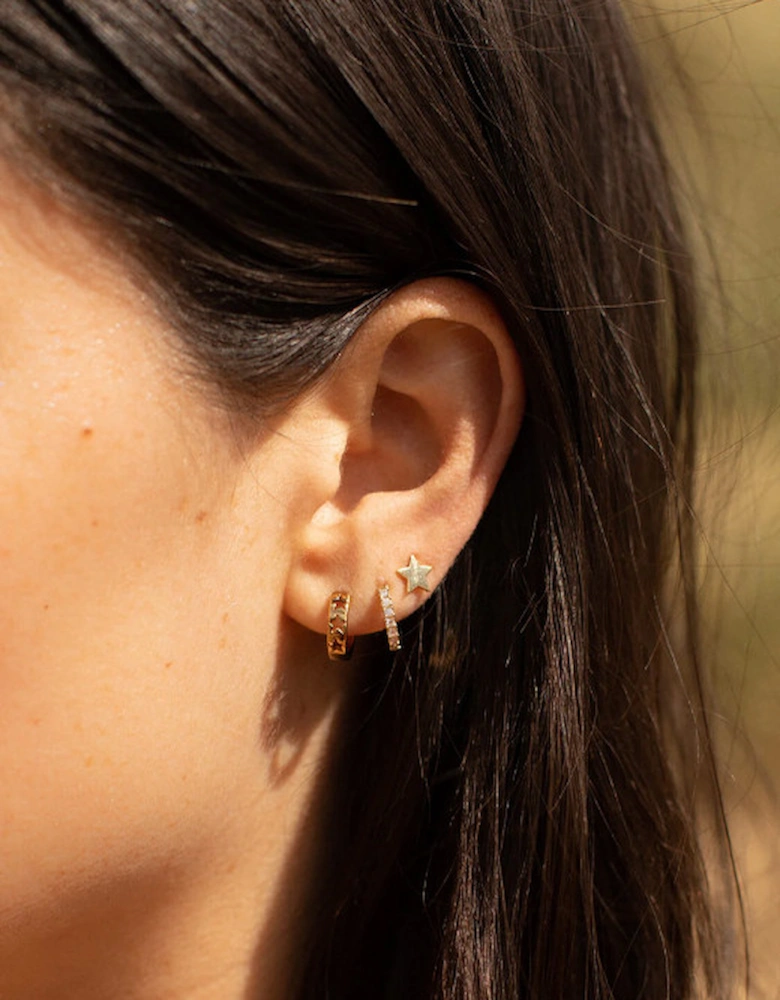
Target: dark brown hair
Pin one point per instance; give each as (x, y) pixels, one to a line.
(514, 813)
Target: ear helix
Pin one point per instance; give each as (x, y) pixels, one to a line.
(338, 641)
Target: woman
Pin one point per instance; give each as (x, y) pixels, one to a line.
(329, 322)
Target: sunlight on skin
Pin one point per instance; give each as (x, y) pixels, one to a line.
(138, 564)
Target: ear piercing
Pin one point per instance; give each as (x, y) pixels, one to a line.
(337, 640)
(391, 625)
(415, 574)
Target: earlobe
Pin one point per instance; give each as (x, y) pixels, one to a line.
(428, 400)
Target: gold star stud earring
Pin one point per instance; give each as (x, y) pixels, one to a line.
(415, 574)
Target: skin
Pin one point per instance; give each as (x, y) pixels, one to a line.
(141, 746)
(167, 707)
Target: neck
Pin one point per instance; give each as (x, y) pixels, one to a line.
(223, 922)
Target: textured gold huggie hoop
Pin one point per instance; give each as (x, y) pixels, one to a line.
(391, 625)
(337, 640)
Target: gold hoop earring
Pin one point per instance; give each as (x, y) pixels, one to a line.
(391, 625)
(337, 640)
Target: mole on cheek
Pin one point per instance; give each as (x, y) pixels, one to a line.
(86, 432)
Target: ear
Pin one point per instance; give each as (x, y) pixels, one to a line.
(414, 425)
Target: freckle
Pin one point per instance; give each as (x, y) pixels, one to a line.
(46, 607)
(35, 720)
(201, 516)
(226, 618)
(95, 522)
(86, 432)
(223, 642)
(169, 664)
(89, 762)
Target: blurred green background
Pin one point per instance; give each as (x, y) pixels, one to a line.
(715, 69)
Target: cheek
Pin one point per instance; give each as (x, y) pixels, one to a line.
(91, 476)
(109, 628)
